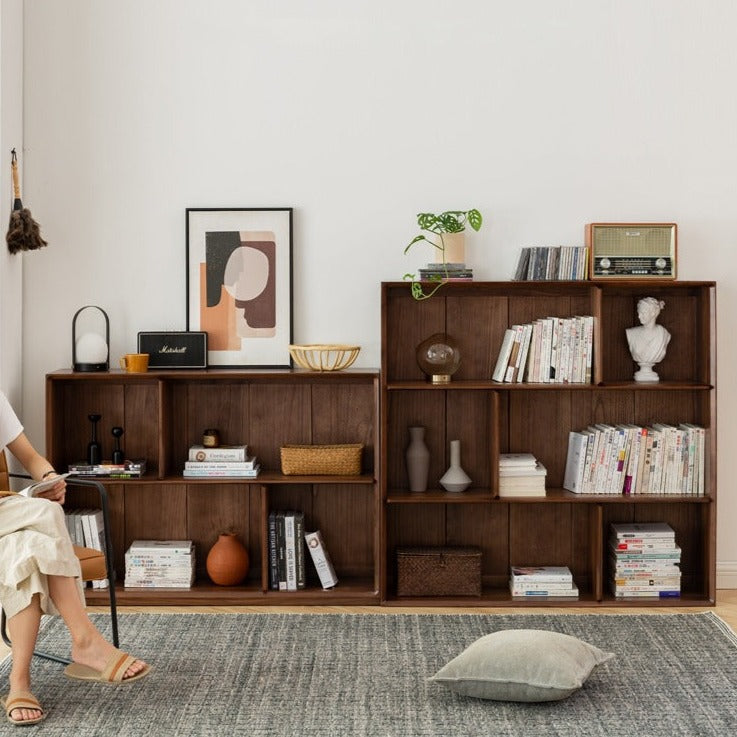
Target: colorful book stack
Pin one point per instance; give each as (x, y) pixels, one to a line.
(446, 272)
(521, 474)
(225, 461)
(160, 564)
(644, 560)
(543, 582)
(108, 469)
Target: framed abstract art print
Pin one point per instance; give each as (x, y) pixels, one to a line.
(239, 284)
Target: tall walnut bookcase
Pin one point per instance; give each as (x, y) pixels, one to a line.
(164, 412)
(490, 418)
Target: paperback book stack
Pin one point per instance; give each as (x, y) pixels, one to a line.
(645, 560)
(521, 474)
(446, 272)
(629, 459)
(108, 469)
(160, 564)
(542, 582)
(550, 350)
(545, 263)
(225, 461)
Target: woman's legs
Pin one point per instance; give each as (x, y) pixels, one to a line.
(89, 647)
(23, 629)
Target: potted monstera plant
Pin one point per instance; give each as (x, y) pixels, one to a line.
(446, 233)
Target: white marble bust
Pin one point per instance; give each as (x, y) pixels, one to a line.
(648, 341)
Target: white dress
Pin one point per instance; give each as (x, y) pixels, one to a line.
(34, 541)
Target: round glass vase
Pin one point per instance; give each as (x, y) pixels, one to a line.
(438, 357)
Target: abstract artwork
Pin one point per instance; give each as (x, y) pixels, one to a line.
(239, 284)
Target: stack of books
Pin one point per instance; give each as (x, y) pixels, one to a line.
(521, 474)
(545, 263)
(446, 272)
(542, 582)
(644, 560)
(160, 564)
(87, 529)
(225, 461)
(633, 459)
(550, 350)
(108, 469)
(287, 570)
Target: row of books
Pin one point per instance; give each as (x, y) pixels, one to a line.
(446, 272)
(108, 469)
(287, 564)
(87, 529)
(225, 461)
(644, 560)
(632, 459)
(521, 474)
(549, 350)
(542, 582)
(548, 263)
(160, 564)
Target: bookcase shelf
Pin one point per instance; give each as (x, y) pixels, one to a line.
(490, 418)
(163, 413)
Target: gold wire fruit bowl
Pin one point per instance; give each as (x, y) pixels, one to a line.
(324, 357)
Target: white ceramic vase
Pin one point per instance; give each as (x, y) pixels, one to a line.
(455, 478)
(418, 459)
(455, 249)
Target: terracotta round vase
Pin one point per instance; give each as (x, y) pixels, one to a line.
(227, 561)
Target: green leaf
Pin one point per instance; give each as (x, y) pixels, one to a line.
(475, 219)
(426, 220)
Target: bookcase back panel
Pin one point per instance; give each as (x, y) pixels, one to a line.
(224, 406)
(154, 512)
(530, 545)
(486, 528)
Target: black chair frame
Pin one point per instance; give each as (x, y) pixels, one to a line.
(109, 566)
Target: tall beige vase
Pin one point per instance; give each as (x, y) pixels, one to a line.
(455, 248)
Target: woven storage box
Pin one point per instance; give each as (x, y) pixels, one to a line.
(438, 572)
(321, 460)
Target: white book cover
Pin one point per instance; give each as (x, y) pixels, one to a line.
(523, 460)
(290, 551)
(547, 337)
(575, 461)
(504, 353)
(514, 356)
(526, 337)
(321, 559)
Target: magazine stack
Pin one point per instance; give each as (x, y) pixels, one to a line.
(160, 564)
(542, 582)
(521, 474)
(644, 560)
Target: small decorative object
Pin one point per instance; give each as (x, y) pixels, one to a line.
(211, 438)
(94, 449)
(439, 357)
(455, 478)
(183, 349)
(439, 571)
(134, 363)
(228, 561)
(418, 459)
(325, 357)
(648, 341)
(90, 352)
(118, 457)
(448, 231)
(23, 231)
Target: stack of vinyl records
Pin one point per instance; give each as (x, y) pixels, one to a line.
(160, 564)
(447, 272)
(644, 560)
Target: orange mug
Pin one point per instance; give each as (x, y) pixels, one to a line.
(134, 363)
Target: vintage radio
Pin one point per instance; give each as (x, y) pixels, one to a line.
(174, 350)
(632, 250)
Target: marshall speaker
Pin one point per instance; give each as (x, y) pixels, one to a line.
(185, 350)
(632, 250)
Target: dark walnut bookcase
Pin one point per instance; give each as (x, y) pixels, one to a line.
(491, 418)
(164, 412)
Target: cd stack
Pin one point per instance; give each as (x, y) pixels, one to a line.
(645, 560)
(160, 564)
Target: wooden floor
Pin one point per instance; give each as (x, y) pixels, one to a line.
(726, 609)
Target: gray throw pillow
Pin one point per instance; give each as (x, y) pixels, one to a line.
(521, 665)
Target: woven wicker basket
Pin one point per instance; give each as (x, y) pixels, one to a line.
(324, 357)
(321, 460)
(439, 571)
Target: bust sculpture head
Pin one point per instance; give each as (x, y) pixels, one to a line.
(648, 341)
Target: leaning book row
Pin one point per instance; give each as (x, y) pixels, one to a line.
(629, 459)
(556, 350)
(546, 263)
(287, 559)
(87, 530)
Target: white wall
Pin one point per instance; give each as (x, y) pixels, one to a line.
(544, 115)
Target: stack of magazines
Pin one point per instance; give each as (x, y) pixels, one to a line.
(160, 563)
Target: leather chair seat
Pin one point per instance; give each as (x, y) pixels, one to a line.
(92, 563)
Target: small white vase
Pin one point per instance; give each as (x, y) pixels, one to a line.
(455, 478)
(418, 459)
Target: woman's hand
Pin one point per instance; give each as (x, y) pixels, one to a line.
(57, 493)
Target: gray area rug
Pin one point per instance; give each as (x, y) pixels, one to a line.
(354, 674)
